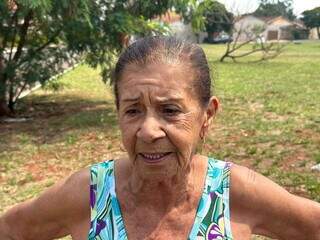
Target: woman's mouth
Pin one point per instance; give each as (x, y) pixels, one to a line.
(154, 157)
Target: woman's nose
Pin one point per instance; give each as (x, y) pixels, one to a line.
(150, 130)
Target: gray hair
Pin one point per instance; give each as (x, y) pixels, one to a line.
(170, 50)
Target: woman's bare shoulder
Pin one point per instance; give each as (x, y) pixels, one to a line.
(269, 208)
(54, 212)
(77, 190)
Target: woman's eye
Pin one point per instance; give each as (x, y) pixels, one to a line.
(171, 111)
(131, 112)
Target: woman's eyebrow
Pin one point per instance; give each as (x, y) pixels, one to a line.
(130, 99)
(168, 99)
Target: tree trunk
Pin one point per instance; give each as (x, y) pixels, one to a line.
(226, 52)
(11, 102)
(197, 37)
(11, 106)
(4, 107)
(223, 57)
(318, 31)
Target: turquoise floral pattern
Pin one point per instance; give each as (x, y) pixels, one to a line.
(212, 221)
(106, 219)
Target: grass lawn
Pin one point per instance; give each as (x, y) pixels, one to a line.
(269, 120)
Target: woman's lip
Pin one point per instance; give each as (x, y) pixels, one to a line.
(154, 157)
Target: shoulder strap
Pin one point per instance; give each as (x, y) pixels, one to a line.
(220, 190)
(226, 198)
(213, 217)
(101, 183)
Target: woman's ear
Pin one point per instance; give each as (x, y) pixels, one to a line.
(211, 111)
(212, 108)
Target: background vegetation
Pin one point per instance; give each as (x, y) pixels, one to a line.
(269, 120)
(39, 38)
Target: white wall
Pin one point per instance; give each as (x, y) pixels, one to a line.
(246, 24)
(184, 32)
(313, 34)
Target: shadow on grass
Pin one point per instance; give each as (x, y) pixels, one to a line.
(51, 118)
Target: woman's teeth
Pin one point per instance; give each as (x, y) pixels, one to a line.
(153, 156)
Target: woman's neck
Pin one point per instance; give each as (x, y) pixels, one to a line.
(166, 191)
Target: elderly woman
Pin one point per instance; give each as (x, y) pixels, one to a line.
(163, 189)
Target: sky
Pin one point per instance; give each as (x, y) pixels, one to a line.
(245, 6)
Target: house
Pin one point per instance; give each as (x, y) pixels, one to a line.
(246, 26)
(269, 28)
(179, 29)
(313, 34)
(280, 28)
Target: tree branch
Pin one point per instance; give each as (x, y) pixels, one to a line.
(39, 49)
(13, 37)
(23, 35)
(237, 36)
(5, 40)
(246, 54)
(50, 40)
(17, 94)
(268, 50)
(236, 47)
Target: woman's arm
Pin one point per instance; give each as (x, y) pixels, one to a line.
(270, 210)
(55, 213)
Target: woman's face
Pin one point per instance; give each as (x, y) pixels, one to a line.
(160, 117)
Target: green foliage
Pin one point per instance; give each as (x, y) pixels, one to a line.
(218, 18)
(34, 44)
(41, 37)
(193, 12)
(311, 19)
(111, 23)
(274, 8)
(206, 15)
(149, 9)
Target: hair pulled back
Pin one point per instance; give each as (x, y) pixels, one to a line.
(168, 50)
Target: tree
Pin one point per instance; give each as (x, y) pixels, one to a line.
(254, 43)
(38, 37)
(274, 8)
(311, 19)
(203, 14)
(192, 11)
(31, 49)
(218, 19)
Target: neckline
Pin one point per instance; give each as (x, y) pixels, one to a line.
(196, 224)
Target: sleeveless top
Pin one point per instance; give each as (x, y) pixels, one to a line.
(212, 220)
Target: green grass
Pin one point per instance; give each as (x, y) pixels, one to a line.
(270, 115)
(269, 120)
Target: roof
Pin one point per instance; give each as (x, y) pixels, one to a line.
(299, 23)
(271, 20)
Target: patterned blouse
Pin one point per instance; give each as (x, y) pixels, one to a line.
(212, 220)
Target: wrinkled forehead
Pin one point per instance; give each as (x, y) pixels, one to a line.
(174, 80)
(154, 94)
(166, 70)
